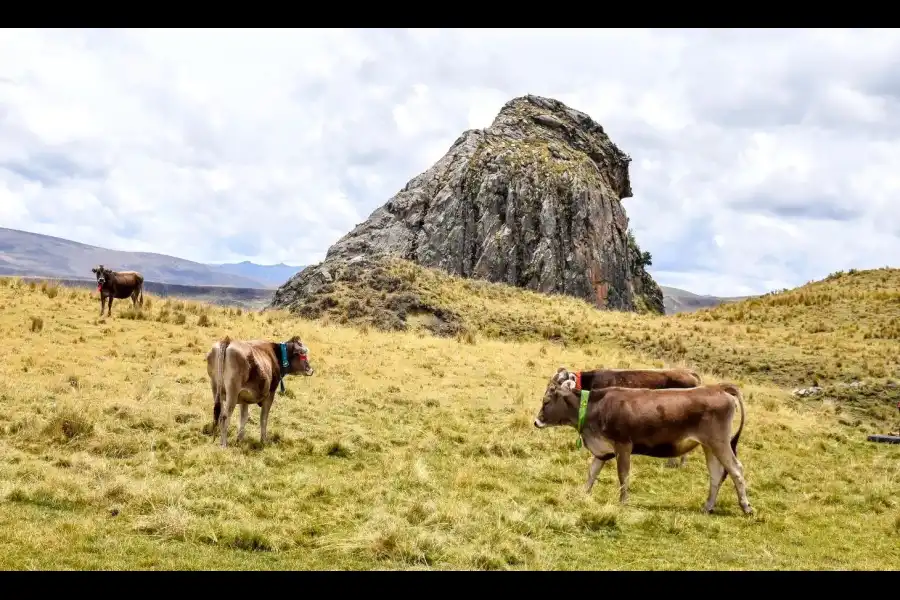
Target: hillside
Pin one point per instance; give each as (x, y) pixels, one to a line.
(28, 254)
(31, 254)
(843, 329)
(676, 300)
(410, 451)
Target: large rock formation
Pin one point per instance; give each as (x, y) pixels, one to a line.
(533, 201)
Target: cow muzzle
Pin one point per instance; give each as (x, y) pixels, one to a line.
(539, 424)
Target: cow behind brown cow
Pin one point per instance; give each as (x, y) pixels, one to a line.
(118, 284)
(630, 378)
(660, 423)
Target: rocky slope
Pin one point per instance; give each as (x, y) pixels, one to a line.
(533, 201)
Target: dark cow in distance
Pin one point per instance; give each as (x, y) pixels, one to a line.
(255, 367)
(631, 378)
(118, 284)
(661, 423)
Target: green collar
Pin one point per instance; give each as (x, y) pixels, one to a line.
(582, 413)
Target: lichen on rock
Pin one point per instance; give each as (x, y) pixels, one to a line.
(533, 201)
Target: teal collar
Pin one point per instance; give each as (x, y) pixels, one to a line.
(284, 365)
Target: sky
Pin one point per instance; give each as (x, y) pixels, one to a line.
(762, 159)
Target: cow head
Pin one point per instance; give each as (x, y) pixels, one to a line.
(562, 375)
(560, 404)
(298, 356)
(103, 275)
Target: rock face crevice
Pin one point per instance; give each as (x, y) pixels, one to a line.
(533, 201)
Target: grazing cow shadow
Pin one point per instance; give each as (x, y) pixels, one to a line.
(674, 509)
(248, 445)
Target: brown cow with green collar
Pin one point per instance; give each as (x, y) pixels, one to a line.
(653, 379)
(662, 423)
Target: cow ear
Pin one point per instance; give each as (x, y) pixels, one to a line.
(94, 270)
(295, 340)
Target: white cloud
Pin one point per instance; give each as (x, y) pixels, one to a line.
(761, 158)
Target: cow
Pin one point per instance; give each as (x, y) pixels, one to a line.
(256, 367)
(118, 284)
(616, 422)
(632, 378)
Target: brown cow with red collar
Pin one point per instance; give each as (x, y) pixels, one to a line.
(631, 378)
(118, 284)
(256, 368)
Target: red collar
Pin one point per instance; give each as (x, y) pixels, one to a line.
(578, 381)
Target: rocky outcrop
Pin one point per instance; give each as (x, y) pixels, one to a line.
(533, 201)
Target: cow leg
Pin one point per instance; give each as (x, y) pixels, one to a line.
(593, 471)
(102, 304)
(716, 471)
(217, 406)
(264, 418)
(231, 396)
(109, 306)
(736, 470)
(623, 466)
(245, 413)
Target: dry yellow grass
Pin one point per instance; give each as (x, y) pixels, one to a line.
(840, 330)
(403, 451)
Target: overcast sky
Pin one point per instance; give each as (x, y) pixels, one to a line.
(761, 159)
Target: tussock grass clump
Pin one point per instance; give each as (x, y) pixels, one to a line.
(404, 451)
(68, 424)
(50, 289)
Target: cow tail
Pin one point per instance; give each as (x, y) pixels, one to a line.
(734, 391)
(142, 293)
(220, 380)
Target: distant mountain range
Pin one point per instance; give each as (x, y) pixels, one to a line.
(24, 253)
(676, 300)
(33, 254)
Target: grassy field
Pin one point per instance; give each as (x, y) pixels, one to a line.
(407, 450)
(840, 330)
